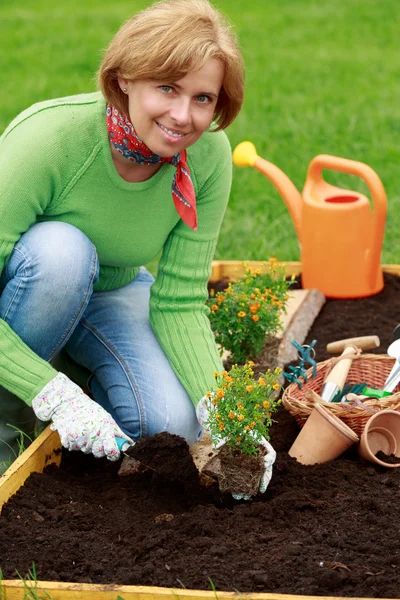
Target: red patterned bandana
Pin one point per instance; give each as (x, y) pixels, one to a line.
(123, 136)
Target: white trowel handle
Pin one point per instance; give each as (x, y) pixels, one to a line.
(339, 373)
(336, 378)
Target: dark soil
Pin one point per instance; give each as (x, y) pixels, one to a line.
(330, 529)
(390, 460)
(169, 456)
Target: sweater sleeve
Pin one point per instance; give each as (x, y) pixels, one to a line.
(178, 313)
(28, 183)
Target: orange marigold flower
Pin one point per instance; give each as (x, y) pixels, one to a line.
(262, 381)
(257, 290)
(239, 438)
(250, 363)
(231, 415)
(254, 308)
(257, 271)
(241, 313)
(220, 393)
(220, 299)
(249, 388)
(252, 424)
(228, 379)
(253, 296)
(255, 318)
(257, 405)
(224, 373)
(216, 374)
(208, 395)
(246, 428)
(240, 406)
(276, 386)
(221, 426)
(214, 307)
(266, 404)
(240, 417)
(218, 417)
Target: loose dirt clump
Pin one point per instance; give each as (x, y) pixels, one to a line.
(169, 457)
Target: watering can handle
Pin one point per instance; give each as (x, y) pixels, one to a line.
(378, 195)
(351, 167)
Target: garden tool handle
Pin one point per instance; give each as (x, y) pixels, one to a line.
(366, 342)
(336, 378)
(123, 445)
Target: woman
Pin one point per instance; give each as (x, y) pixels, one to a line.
(94, 186)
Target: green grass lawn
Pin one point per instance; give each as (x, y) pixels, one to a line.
(322, 77)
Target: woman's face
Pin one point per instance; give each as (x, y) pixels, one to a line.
(170, 116)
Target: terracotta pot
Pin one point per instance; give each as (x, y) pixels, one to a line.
(323, 437)
(381, 434)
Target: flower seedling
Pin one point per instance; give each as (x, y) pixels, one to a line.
(249, 310)
(240, 408)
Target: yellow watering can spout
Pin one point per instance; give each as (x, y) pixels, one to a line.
(245, 155)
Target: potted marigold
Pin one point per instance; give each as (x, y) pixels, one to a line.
(248, 311)
(238, 414)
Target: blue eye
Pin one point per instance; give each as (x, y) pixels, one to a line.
(203, 99)
(166, 88)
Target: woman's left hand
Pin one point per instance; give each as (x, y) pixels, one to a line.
(202, 414)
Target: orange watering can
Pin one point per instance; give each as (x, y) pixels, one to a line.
(340, 234)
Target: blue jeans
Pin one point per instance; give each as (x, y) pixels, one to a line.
(46, 296)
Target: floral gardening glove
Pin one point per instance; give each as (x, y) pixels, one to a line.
(202, 414)
(81, 422)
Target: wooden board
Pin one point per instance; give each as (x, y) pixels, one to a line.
(233, 269)
(86, 591)
(45, 450)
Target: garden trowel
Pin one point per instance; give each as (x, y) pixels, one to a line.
(129, 465)
(349, 348)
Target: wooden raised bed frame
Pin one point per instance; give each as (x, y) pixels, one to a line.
(45, 450)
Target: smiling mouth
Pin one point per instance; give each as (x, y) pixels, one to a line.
(174, 134)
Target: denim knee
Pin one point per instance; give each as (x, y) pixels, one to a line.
(57, 253)
(47, 284)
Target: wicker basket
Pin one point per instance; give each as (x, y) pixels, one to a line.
(371, 368)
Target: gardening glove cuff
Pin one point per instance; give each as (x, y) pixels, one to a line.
(81, 423)
(202, 414)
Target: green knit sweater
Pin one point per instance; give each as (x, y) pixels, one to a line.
(56, 165)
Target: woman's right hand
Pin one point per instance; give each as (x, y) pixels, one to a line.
(81, 423)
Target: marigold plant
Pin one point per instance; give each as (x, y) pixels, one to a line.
(249, 310)
(240, 407)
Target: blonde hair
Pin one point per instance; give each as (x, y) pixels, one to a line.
(165, 41)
